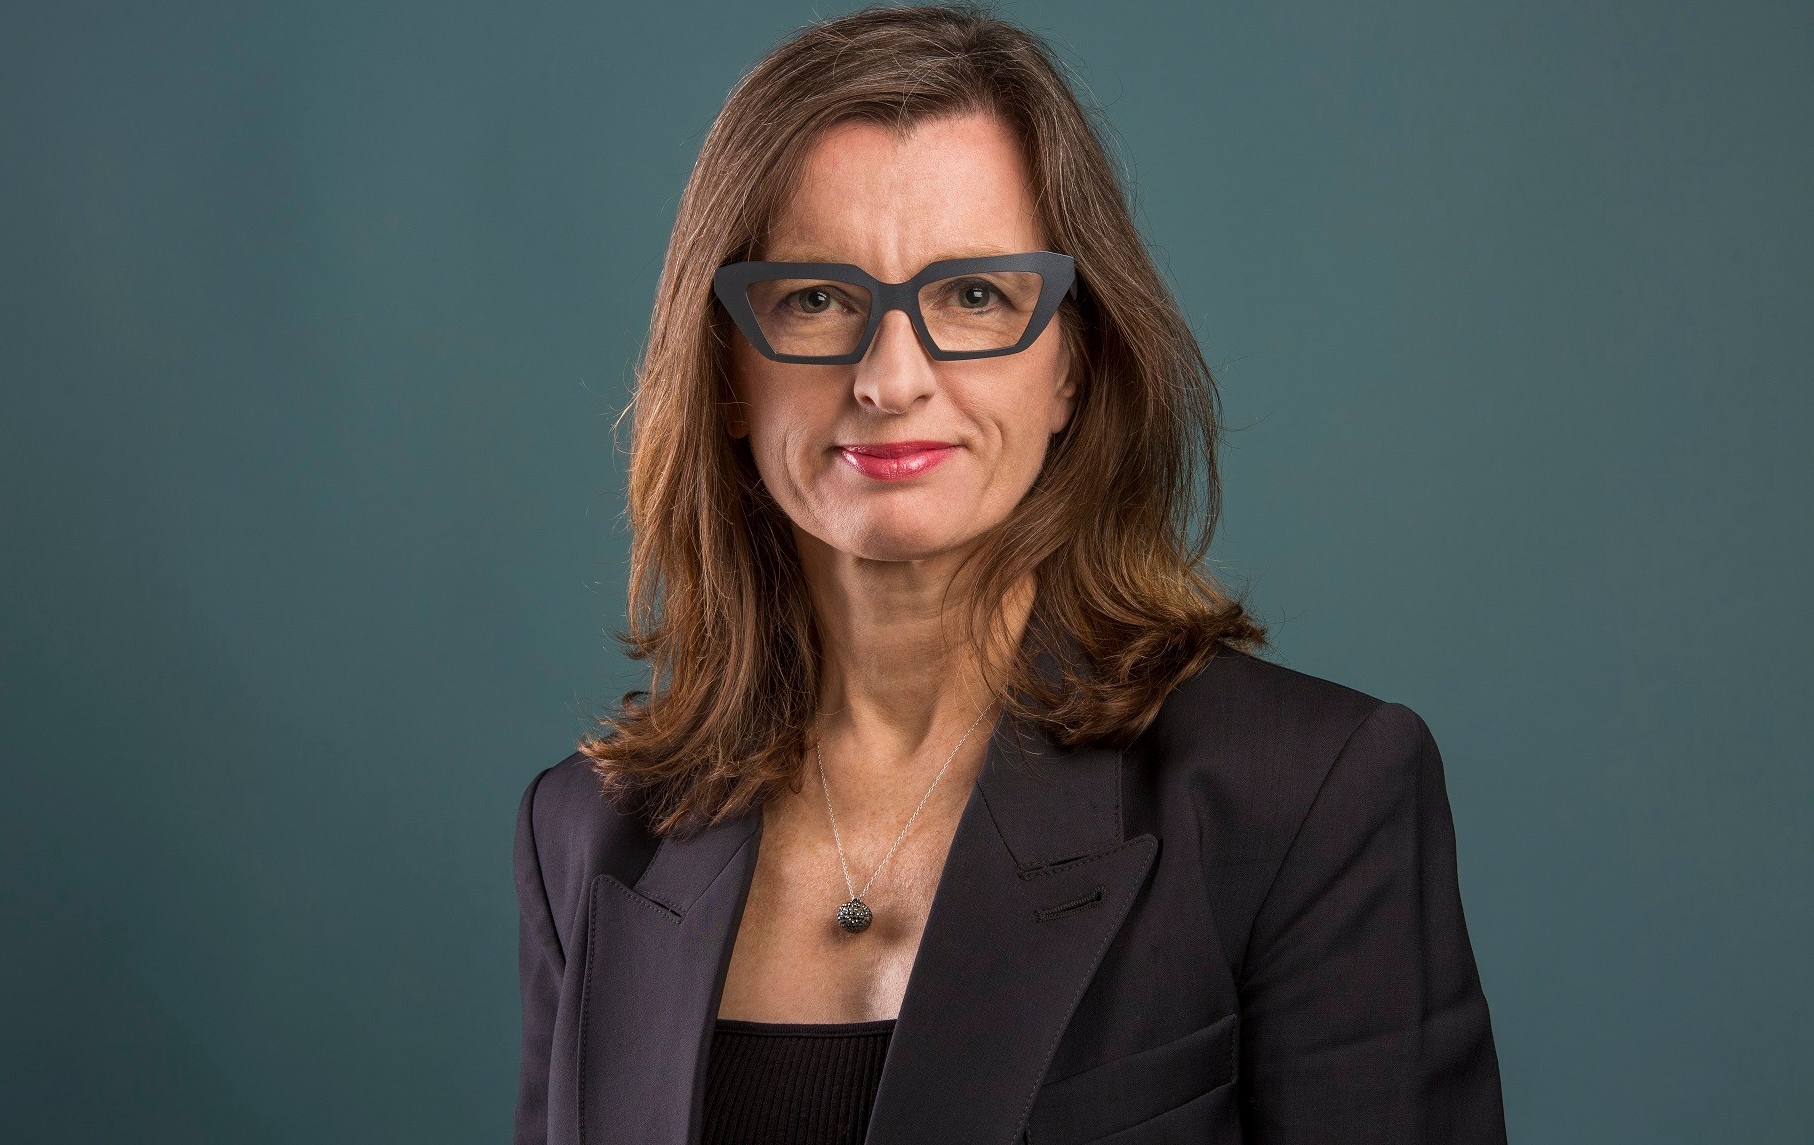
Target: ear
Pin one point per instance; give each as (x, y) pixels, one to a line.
(1064, 396)
(734, 423)
(730, 408)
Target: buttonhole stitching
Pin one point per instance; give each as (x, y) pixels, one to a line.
(1094, 898)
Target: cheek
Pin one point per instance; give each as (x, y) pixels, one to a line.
(760, 393)
(1027, 410)
(780, 409)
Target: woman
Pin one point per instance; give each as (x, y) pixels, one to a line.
(957, 809)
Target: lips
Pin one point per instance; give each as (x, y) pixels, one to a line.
(895, 460)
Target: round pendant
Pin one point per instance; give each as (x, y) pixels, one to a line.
(854, 917)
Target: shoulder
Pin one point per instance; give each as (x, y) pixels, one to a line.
(1251, 743)
(1249, 762)
(567, 833)
(1241, 701)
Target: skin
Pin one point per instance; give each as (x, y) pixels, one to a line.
(900, 687)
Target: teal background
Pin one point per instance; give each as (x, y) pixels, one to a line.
(313, 321)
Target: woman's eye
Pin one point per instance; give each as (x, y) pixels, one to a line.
(814, 301)
(974, 295)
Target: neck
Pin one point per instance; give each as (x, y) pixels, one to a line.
(901, 679)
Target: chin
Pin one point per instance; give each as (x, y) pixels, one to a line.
(901, 545)
(921, 533)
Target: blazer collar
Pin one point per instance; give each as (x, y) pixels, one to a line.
(1037, 882)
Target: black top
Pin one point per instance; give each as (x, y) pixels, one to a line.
(793, 1083)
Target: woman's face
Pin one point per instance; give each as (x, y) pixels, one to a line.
(976, 431)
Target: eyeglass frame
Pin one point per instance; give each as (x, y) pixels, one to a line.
(1057, 280)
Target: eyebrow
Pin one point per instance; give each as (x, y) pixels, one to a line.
(813, 254)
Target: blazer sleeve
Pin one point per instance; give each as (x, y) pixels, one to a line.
(540, 966)
(1363, 1018)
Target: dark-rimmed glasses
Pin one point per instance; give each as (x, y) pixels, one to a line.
(829, 312)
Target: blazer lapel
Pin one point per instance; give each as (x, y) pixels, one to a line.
(656, 956)
(1037, 883)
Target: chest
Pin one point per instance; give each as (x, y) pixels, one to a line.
(791, 961)
(1066, 983)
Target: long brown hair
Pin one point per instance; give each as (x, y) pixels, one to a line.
(1114, 529)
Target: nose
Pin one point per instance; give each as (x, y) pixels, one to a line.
(896, 372)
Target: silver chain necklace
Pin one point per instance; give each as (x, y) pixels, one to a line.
(854, 916)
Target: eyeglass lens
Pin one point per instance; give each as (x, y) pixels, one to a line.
(815, 317)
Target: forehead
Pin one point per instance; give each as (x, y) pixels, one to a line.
(952, 187)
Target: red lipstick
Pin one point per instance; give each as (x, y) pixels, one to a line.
(895, 460)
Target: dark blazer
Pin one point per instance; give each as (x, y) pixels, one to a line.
(1243, 928)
